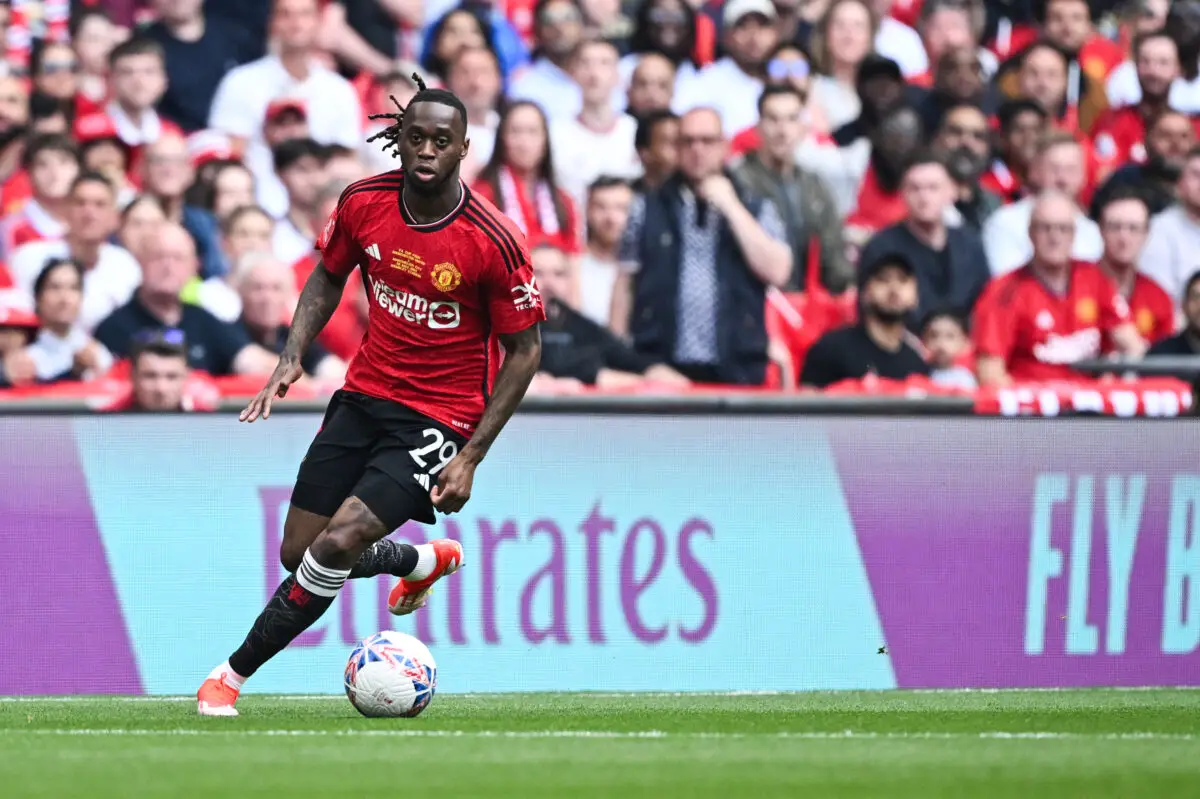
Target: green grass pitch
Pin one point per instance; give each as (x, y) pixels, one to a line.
(1061, 744)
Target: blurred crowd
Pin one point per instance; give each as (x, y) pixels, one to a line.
(769, 193)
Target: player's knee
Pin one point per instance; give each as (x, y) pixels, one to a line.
(347, 536)
(290, 555)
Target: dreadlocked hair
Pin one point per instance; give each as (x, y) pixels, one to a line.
(390, 135)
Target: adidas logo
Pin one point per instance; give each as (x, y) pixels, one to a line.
(422, 480)
(373, 251)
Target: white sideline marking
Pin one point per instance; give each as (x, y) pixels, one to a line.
(630, 735)
(627, 694)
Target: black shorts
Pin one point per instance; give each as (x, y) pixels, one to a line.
(384, 453)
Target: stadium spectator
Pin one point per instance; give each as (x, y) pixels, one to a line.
(558, 30)
(1068, 25)
(93, 36)
(166, 174)
(898, 41)
(1058, 166)
(666, 28)
(577, 348)
(962, 144)
(657, 145)
(14, 117)
(701, 258)
(293, 72)
(62, 350)
(286, 120)
(732, 84)
(139, 220)
(944, 336)
(651, 86)
(878, 344)
(48, 115)
(1169, 138)
(606, 19)
(948, 262)
(1119, 135)
(607, 211)
(1021, 124)
(18, 326)
(1124, 223)
(198, 49)
(958, 80)
(1031, 324)
(1187, 341)
(265, 289)
(949, 25)
(110, 273)
(53, 164)
(105, 153)
(599, 141)
(138, 78)
(1183, 24)
(1170, 255)
(232, 187)
(341, 165)
(840, 43)
(503, 36)
(159, 374)
(894, 142)
(459, 29)
(169, 261)
(55, 71)
(299, 167)
(881, 90)
(475, 79)
(346, 328)
(519, 178)
(805, 202)
(246, 229)
(1042, 74)
(789, 67)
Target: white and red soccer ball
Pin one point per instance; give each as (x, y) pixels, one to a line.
(390, 674)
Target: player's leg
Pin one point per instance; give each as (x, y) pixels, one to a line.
(385, 556)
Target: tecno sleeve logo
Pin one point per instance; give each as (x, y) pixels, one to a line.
(443, 315)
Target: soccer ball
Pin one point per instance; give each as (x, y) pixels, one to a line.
(390, 674)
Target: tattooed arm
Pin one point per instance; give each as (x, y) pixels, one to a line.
(319, 299)
(522, 354)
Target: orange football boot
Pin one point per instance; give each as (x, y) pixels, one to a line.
(216, 697)
(409, 595)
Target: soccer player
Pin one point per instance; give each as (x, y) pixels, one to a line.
(449, 281)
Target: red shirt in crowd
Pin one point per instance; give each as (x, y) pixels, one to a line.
(344, 333)
(1151, 309)
(535, 216)
(1099, 56)
(1119, 136)
(1003, 182)
(15, 192)
(876, 207)
(1038, 332)
(440, 294)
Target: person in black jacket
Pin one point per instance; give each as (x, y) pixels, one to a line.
(1187, 342)
(575, 350)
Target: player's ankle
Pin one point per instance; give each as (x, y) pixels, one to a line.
(225, 673)
(426, 563)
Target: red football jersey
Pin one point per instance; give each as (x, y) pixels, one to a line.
(1119, 136)
(1038, 332)
(439, 295)
(1151, 309)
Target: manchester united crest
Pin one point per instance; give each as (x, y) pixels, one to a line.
(445, 276)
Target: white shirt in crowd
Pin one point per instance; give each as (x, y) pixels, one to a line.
(240, 106)
(1006, 238)
(289, 244)
(106, 286)
(596, 281)
(1123, 89)
(685, 71)
(725, 87)
(902, 44)
(1172, 251)
(220, 299)
(581, 155)
(54, 355)
(555, 91)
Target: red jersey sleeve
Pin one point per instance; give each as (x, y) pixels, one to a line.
(995, 320)
(509, 290)
(336, 242)
(1114, 310)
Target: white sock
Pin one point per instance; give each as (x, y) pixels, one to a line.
(426, 562)
(228, 674)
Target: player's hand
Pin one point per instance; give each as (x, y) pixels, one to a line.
(287, 372)
(454, 485)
